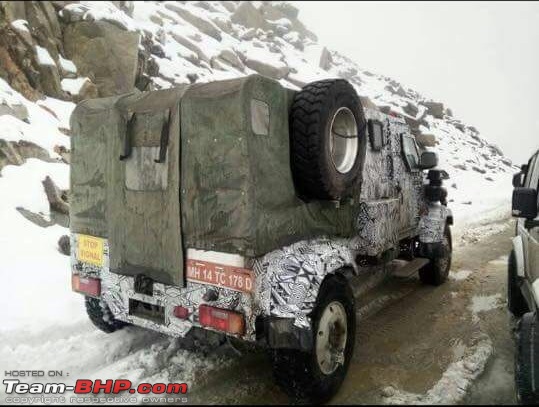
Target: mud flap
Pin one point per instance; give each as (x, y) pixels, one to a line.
(281, 333)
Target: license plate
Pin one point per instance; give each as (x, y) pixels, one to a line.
(219, 275)
(90, 249)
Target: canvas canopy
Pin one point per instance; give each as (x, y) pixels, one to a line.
(203, 166)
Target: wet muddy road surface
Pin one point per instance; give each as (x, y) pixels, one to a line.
(451, 344)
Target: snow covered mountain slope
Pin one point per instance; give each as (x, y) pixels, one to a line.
(53, 54)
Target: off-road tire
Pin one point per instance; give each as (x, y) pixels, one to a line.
(437, 270)
(314, 173)
(515, 299)
(527, 360)
(297, 372)
(101, 315)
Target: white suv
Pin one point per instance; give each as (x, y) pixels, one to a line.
(523, 280)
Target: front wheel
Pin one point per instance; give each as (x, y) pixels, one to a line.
(527, 360)
(515, 300)
(315, 376)
(437, 270)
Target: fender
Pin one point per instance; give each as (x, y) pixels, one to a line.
(432, 224)
(518, 249)
(289, 279)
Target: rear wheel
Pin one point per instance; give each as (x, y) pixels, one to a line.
(527, 360)
(315, 376)
(101, 316)
(437, 270)
(515, 300)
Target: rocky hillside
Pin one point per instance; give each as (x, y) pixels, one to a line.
(56, 53)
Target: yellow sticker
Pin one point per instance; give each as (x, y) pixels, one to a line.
(90, 249)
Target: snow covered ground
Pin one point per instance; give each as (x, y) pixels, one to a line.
(44, 324)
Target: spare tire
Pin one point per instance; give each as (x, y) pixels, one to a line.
(327, 140)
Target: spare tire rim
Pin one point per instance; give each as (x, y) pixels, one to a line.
(331, 338)
(343, 140)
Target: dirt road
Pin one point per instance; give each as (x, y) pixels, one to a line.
(416, 344)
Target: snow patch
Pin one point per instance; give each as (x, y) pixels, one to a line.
(43, 56)
(455, 381)
(484, 303)
(500, 261)
(67, 65)
(73, 86)
(20, 25)
(460, 275)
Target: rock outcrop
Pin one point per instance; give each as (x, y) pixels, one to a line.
(105, 53)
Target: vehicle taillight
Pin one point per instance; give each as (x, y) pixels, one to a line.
(181, 312)
(221, 319)
(86, 285)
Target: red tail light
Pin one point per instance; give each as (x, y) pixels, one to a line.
(221, 319)
(181, 312)
(86, 285)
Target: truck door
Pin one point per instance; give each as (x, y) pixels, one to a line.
(144, 201)
(409, 184)
(530, 237)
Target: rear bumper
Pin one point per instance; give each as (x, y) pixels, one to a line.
(118, 291)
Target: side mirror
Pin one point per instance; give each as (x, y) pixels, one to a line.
(524, 203)
(517, 179)
(428, 159)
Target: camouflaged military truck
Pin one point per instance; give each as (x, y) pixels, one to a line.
(246, 208)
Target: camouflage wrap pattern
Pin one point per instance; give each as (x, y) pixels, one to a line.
(432, 225)
(289, 278)
(226, 186)
(286, 286)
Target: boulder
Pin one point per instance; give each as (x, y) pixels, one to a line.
(434, 109)
(64, 245)
(229, 5)
(479, 169)
(411, 109)
(249, 34)
(507, 161)
(23, 31)
(367, 103)
(64, 153)
(105, 53)
(205, 26)
(14, 10)
(17, 110)
(495, 149)
(249, 16)
(191, 45)
(426, 140)
(18, 64)
(348, 73)
(287, 9)
(17, 152)
(325, 59)
(225, 25)
(88, 90)
(269, 70)
(126, 6)
(56, 197)
(232, 58)
(50, 81)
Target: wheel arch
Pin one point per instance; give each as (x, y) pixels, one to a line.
(291, 277)
(518, 250)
